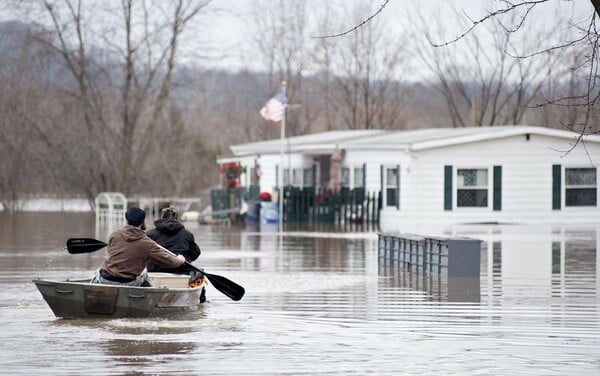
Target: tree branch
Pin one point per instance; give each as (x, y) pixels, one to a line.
(359, 25)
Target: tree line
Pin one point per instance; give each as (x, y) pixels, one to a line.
(100, 96)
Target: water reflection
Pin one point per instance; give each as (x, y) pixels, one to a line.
(42, 230)
(541, 262)
(438, 287)
(320, 302)
(128, 350)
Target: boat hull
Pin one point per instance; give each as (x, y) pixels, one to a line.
(81, 299)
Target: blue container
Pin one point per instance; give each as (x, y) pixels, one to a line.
(269, 212)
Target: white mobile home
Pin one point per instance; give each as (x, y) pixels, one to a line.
(500, 174)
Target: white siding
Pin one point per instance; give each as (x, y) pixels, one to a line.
(268, 177)
(373, 161)
(526, 183)
(526, 171)
(269, 163)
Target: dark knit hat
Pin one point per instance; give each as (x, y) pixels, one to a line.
(135, 216)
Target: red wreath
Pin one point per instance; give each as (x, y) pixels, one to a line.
(232, 172)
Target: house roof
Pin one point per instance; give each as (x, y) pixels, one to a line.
(413, 140)
(317, 142)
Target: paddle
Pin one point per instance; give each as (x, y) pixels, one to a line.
(226, 286)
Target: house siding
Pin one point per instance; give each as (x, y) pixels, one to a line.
(526, 183)
(526, 165)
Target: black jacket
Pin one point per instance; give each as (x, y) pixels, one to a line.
(172, 235)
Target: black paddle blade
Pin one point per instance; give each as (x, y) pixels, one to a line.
(84, 245)
(226, 286)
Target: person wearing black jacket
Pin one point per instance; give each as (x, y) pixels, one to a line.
(171, 234)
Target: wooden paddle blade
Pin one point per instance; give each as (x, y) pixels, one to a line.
(226, 286)
(84, 245)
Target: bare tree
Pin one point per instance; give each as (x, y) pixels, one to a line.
(567, 83)
(367, 64)
(323, 59)
(281, 39)
(25, 165)
(116, 85)
(587, 35)
(482, 84)
(587, 99)
(325, 35)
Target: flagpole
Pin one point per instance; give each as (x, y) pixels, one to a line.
(281, 165)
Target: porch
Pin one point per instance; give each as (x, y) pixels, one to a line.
(303, 204)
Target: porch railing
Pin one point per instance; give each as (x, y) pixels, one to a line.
(311, 204)
(307, 204)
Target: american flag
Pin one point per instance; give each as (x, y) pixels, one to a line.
(274, 109)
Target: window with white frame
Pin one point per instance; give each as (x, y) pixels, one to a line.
(472, 187)
(580, 187)
(391, 185)
(297, 177)
(308, 179)
(286, 176)
(359, 178)
(345, 177)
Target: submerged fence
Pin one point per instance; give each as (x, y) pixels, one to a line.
(311, 204)
(308, 204)
(452, 257)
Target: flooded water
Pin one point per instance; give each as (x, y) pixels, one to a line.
(316, 303)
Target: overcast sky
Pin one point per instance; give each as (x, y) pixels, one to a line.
(224, 37)
(229, 33)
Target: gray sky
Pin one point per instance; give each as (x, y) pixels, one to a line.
(224, 37)
(230, 32)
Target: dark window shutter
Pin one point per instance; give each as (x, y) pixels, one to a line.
(447, 187)
(398, 187)
(556, 186)
(381, 171)
(364, 182)
(314, 175)
(497, 188)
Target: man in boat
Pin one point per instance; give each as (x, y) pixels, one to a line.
(129, 250)
(172, 234)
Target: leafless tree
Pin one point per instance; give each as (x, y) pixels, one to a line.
(367, 64)
(323, 59)
(587, 34)
(480, 82)
(327, 34)
(281, 38)
(25, 161)
(115, 87)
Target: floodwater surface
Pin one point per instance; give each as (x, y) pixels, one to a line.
(317, 302)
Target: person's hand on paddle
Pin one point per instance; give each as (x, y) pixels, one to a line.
(181, 259)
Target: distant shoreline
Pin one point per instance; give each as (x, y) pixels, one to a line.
(44, 204)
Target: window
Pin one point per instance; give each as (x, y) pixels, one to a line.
(345, 177)
(391, 192)
(359, 178)
(300, 177)
(580, 187)
(308, 180)
(472, 188)
(297, 177)
(286, 176)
